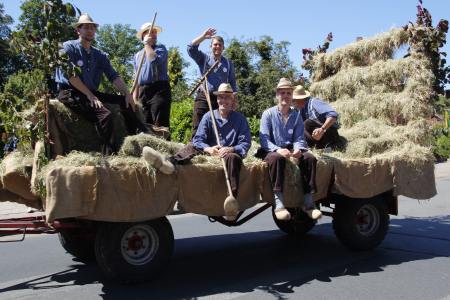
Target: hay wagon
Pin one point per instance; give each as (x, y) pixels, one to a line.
(115, 208)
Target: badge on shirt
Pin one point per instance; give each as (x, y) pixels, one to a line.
(80, 63)
(225, 70)
(291, 131)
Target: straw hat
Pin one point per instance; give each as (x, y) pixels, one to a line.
(85, 19)
(284, 83)
(145, 27)
(224, 88)
(300, 93)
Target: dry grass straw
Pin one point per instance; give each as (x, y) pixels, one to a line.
(383, 103)
(381, 77)
(21, 161)
(134, 144)
(362, 53)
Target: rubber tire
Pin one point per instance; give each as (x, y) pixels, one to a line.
(79, 242)
(345, 222)
(299, 224)
(113, 264)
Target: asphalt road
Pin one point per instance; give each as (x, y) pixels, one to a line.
(257, 261)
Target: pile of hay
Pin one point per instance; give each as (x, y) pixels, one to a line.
(383, 102)
(362, 53)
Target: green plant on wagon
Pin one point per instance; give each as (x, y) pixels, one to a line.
(41, 48)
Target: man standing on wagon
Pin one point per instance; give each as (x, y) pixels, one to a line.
(80, 93)
(281, 137)
(153, 82)
(224, 72)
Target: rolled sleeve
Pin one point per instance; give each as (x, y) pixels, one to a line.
(197, 55)
(299, 137)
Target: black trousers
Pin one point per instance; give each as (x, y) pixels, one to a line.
(101, 117)
(232, 160)
(201, 108)
(329, 139)
(277, 163)
(156, 99)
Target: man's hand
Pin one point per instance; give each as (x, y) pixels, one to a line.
(284, 152)
(209, 33)
(95, 102)
(129, 101)
(213, 151)
(223, 151)
(297, 153)
(318, 133)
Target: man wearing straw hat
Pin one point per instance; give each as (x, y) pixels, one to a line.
(224, 73)
(281, 137)
(154, 88)
(80, 93)
(235, 141)
(320, 120)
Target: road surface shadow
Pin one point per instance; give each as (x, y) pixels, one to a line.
(266, 261)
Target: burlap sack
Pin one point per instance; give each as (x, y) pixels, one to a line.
(202, 190)
(105, 194)
(15, 181)
(71, 192)
(360, 179)
(132, 194)
(416, 182)
(324, 172)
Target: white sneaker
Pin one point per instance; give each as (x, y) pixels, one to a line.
(157, 160)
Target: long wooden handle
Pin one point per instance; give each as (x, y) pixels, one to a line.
(141, 61)
(200, 81)
(216, 132)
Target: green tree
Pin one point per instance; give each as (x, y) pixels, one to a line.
(120, 43)
(176, 65)
(41, 48)
(259, 64)
(5, 53)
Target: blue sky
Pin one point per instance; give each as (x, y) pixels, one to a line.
(304, 24)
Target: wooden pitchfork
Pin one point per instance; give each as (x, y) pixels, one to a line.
(230, 205)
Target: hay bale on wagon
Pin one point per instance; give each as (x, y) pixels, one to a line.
(383, 104)
(15, 175)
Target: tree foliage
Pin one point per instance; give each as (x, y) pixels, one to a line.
(259, 64)
(5, 53)
(120, 43)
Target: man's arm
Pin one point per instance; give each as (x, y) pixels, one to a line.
(79, 85)
(120, 85)
(244, 138)
(209, 33)
(265, 129)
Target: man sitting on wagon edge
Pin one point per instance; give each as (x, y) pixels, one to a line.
(281, 137)
(319, 119)
(235, 141)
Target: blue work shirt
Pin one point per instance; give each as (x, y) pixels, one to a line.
(93, 65)
(233, 132)
(155, 69)
(318, 110)
(223, 74)
(274, 134)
